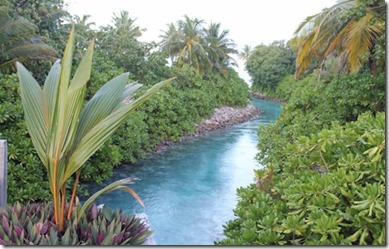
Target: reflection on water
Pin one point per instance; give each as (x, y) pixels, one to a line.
(190, 191)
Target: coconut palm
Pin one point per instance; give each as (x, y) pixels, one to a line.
(188, 46)
(245, 53)
(342, 31)
(64, 133)
(125, 25)
(172, 41)
(219, 47)
(192, 50)
(18, 41)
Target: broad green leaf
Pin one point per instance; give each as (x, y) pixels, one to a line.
(50, 91)
(101, 105)
(103, 130)
(33, 106)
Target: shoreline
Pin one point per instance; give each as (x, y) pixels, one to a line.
(221, 118)
(264, 97)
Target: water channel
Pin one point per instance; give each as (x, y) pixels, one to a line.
(189, 191)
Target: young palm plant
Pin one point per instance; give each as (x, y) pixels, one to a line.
(65, 135)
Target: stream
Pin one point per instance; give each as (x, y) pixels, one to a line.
(189, 191)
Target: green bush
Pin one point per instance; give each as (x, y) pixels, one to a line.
(26, 176)
(330, 190)
(172, 112)
(312, 106)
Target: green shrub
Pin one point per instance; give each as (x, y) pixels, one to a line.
(33, 224)
(26, 176)
(330, 190)
(172, 113)
(312, 106)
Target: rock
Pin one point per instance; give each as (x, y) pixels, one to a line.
(227, 116)
(221, 118)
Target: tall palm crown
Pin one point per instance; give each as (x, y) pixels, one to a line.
(18, 41)
(171, 41)
(192, 47)
(204, 48)
(245, 53)
(219, 46)
(349, 30)
(126, 25)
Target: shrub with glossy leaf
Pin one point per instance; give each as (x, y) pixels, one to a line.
(34, 224)
(330, 190)
(26, 177)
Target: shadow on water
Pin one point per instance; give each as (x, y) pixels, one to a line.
(190, 191)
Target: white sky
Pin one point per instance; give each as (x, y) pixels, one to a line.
(250, 22)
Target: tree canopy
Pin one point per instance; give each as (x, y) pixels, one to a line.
(268, 64)
(351, 30)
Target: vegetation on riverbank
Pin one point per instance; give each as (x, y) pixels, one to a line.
(170, 114)
(324, 177)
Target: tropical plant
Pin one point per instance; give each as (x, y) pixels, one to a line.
(245, 53)
(329, 189)
(19, 42)
(189, 46)
(268, 64)
(349, 30)
(124, 25)
(33, 224)
(65, 135)
(171, 41)
(219, 47)
(49, 16)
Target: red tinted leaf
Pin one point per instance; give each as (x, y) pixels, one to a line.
(5, 225)
(18, 231)
(94, 212)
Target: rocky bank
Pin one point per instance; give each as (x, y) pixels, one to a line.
(226, 116)
(221, 118)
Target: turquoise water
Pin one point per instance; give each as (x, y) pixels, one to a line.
(190, 191)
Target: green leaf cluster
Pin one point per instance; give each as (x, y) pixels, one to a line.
(32, 224)
(174, 112)
(26, 176)
(268, 64)
(329, 190)
(324, 180)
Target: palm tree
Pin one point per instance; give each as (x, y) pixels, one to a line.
(219, 47)
(192, 50)
(18, 41)
(124, 25)
(188, 46)
(171, 41)
(349, 29)
(245, 52)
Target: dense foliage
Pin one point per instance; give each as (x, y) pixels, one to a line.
(174, 112)
(351, 30)
(268, 64)
(26, 175)
(324, 180)
(169, 115)
(19, 40)
(329, 190)
(205, 48)
(33, 224)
